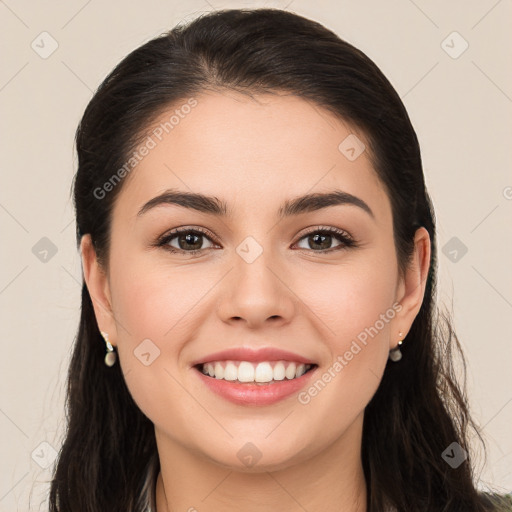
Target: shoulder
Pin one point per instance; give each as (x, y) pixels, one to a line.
(502, 501)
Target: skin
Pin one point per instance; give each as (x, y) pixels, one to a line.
(254, 153)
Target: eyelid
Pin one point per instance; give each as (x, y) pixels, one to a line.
(165, 238)
(346, 239)
(329, 229)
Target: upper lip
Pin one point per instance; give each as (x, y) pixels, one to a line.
(254, 355)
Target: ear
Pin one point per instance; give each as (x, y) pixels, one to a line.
(412, 287)
(99, 289)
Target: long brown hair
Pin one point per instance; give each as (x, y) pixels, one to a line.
(109, 458)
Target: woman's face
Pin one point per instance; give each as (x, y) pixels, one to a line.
(260, 279)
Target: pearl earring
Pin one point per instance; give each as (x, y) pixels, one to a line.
(110, 356)
(396, 354)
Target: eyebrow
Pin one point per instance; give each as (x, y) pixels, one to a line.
(296, 206)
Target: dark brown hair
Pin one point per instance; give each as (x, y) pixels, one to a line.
(109, 458)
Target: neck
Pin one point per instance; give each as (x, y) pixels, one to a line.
(332, 481)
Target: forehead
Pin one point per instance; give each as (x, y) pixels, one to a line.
(248, 152)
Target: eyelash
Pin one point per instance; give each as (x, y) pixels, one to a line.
(341, 235)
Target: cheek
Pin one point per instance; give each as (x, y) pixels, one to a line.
(155, 301)
(357, 339)
(152, 309)
(352, 308)
(156, 309)
(347, 301)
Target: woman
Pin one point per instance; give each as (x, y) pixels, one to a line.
(294, 359)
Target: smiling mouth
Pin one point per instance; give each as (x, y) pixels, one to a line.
(262, 373)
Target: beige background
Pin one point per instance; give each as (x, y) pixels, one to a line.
(461, 108)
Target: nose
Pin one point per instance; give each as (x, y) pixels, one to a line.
(256, 292)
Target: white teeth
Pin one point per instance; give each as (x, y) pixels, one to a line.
(290, 371)
(279, 371)
(301, 370)
(219, 371)
(245, 371)
(263, 372)
(230, 372)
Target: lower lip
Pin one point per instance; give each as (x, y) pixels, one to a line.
(255, 394)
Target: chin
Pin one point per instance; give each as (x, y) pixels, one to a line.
(254, 457)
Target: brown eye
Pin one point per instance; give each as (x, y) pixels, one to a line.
(321, 240)
(185, 240)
